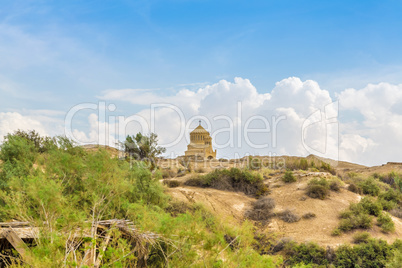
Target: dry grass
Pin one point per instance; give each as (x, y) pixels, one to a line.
(289, 216)
(261, 210)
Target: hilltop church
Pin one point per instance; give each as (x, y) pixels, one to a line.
(200, 146)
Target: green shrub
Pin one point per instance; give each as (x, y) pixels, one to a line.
(391, 195)
(308, 253)
(234, 179)
(254, 163)
(317, 191)
(371, 206)
(322, 181)
(289, 177)
(335, 186)
(362, 237)
(328, 167)
(336, 232)
(172, 183)
(373, 253)
(355, 189)
(370, 187)
(355, 221)
(386, 223)
(387, 205)
(303, 164)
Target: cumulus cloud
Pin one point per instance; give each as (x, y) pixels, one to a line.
(373, 139)
(241, 120)
(296, 118)
(12, 121)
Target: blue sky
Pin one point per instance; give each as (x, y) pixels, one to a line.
(55, 54)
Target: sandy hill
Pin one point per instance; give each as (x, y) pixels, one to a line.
(292, 196)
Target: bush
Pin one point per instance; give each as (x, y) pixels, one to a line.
(172, 183)
(308, 253)
(391, 195)
(386, 223)
(335, 186)
(254, 163)
(317, 191)
(304, 164)
(371, 206)
(373, 253)
(200, 170)
(355, 218)
(234, 179)
(355, 189)
(362, 237)
(328, 167)
(309, 215)
(168, 173)
(289, 177)
(289, 216)
(261, 209)
(281, 244)
(370, 187)
(336, 232)
(387, 205)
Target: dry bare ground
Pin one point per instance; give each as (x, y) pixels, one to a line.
(232, 206)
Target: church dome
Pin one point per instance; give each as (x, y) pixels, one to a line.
(199, 130)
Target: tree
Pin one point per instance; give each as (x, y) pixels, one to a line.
(143, 147)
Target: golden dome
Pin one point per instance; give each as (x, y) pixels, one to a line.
(199, 130)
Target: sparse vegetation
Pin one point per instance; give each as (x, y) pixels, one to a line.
(318, 188)
(289, 177)
(234, 179)
(386, 223)
(289, 216)
(168, 173)
(355, 189)
(397, 212)
(362, 237)
(335, 186)
(309, 215)
(64, 186)
(172, 183)
(261, 210)
(69, 187)
(370, 187)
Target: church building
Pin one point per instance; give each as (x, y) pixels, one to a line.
(200, 146)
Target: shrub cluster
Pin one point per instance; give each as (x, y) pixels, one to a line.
(355, 189)
(289, 216)
(362, 237)
(360, 215)
(172, 183)
(289, 177)
(366, 254)
(386, 223)
(234, 179)
(318, 188)
(370, 186)
(261, 209)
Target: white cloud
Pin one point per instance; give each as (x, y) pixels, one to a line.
(12, 121)
(374, 139)
(301, 119)
(291, 103)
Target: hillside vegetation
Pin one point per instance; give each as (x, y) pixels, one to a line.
(62, 189)
(65, 190)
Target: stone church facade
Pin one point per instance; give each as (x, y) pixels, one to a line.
(200, 146)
